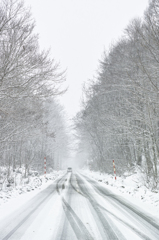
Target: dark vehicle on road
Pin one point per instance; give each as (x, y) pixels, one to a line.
(69, 169)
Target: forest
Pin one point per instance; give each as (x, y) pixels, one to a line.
(119, 119)
(32, 123)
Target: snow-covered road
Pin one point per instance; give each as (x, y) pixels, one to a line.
(77, 207)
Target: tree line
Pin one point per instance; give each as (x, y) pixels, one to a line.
(31, 120)
(120, 112)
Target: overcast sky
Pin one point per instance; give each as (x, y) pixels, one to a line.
(78, 31)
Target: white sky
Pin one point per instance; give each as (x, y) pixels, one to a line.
(78, 31)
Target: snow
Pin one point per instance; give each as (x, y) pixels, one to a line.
(118, 218)
(130, 186)
(45, 224)
(12, 198)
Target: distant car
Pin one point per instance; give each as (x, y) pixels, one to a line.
(69, 169)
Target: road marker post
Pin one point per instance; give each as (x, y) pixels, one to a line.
(114, 169)
(45, 167)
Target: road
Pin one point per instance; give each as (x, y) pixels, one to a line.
(77, 207)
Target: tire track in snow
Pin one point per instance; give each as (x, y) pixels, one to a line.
(57, 184)
(129, 209)
(111, 231)
(138, 232)
(103, 192)
(30, 214)
(77, 225)
(127, 224)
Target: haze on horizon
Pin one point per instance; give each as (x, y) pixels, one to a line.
(78, 32)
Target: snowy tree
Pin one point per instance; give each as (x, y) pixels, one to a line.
(119, 119)
(28, 78)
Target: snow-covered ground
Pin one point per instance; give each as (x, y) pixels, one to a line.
(130, 186)
(14, 198)
(35, 184)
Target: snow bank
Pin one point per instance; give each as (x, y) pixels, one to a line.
(130, 186)
(29, 184)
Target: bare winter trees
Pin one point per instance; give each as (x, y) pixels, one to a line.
(120, 115)
(28, 79)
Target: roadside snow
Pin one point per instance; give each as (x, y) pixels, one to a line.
(36, 184)
(131, 187)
